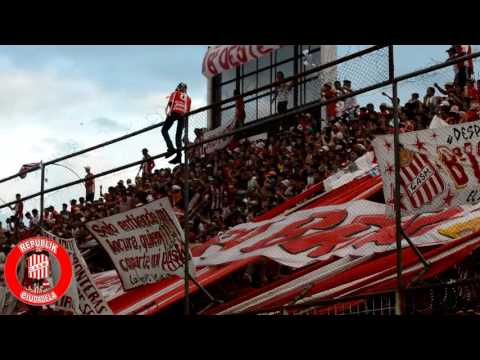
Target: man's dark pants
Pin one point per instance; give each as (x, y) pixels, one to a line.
(180, 118)
(90, 197)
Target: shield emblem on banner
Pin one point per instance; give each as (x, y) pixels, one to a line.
(420, 180)
(38, 266)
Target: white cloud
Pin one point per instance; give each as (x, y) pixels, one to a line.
(45, 115)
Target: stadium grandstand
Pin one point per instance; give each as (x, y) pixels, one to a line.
(281, 154)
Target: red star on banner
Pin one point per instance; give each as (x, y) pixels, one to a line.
(448, 199)
(389, 169)
(434, 135)
(387, 145)
(420, 145)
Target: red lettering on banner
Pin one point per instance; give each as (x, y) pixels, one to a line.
(337, 238)
(386, 234)
(230, 56)
(104, 229)
(199, 250)
(251, 51)
(379, 221)
(473, 160)
(455, 169)
(211, 62)
(325, 241)
(173, 259)
(241, 54)
(223, 58)
(247, 235)
(317, 221)
(458, 153)
(426, 222)
(263, 50)
(233, 56)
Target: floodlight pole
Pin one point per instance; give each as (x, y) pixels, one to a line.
(398, 214)
(186, 219)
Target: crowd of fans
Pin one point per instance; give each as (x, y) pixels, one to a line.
(248, 178)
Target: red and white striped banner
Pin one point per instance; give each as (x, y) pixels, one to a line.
(439, 168)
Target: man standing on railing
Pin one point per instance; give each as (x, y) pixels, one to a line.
(178, 105)
(89, 185)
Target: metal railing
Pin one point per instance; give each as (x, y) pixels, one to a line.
(203, 110)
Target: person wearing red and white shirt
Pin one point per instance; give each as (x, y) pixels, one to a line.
(89, 185)
(178, 106)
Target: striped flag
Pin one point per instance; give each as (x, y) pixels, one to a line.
(420, 180)
(27, 167)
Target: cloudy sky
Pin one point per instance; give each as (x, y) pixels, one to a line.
(58, 99)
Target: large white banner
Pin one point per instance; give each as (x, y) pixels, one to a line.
(358, 228)
(224, 57)
(439, 168)
(219, 144)
(83, 296)
(145, 244)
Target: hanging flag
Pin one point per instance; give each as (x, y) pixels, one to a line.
(27, 167)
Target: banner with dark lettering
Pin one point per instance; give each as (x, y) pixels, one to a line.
(224, 57)
(355, 229)
(439, 168)
(146, 244)
(83, 296)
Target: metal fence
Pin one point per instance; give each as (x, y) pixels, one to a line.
(455, 297)
(150, 137)
(371, 71)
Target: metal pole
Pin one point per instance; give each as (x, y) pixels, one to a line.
(398, 215)
(186, 219)
(42, 188)
(200, 286)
